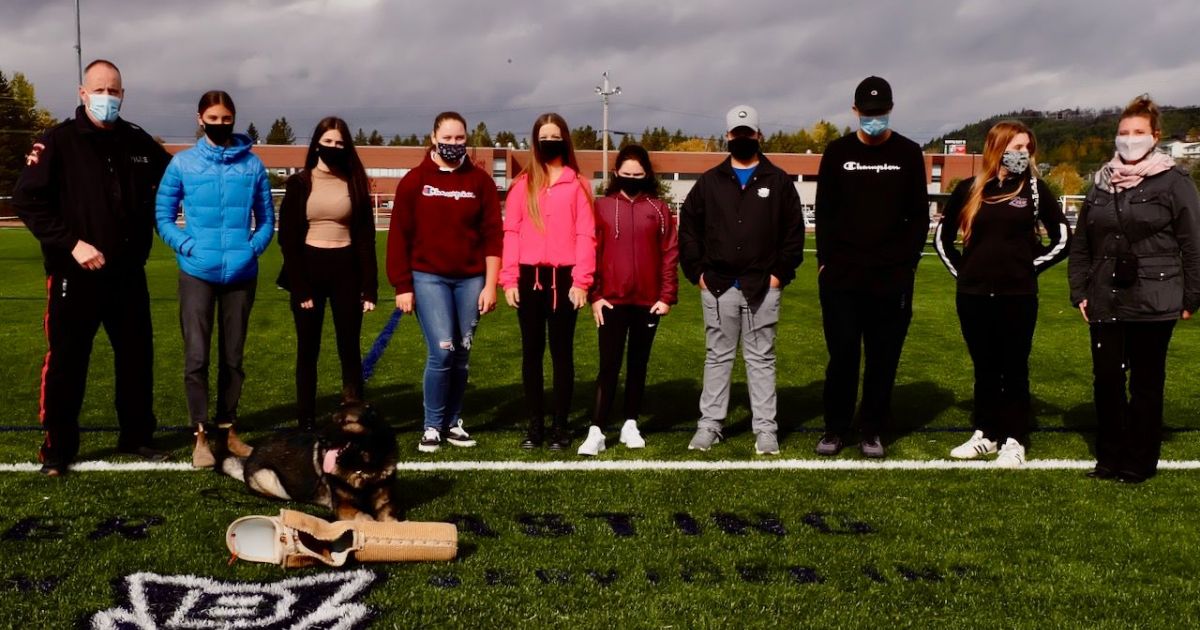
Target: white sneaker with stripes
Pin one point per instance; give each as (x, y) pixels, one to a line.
(1012, 455)
(974, 447)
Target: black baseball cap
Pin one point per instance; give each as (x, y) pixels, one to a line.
(873, 96)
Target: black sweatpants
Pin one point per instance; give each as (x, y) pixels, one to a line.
(856, 323)
(232, 302)
(623, 321)
(999, 334)
(333, 276)
(78, 303)
(1129, 422)
(545, 310)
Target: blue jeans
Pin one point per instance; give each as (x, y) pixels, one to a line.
(448, 311)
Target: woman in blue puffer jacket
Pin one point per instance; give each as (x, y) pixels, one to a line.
(228, 222)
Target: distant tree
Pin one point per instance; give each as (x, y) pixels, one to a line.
(626, 140)
(281, 132)
(584, 138)
(1065, 180)
(506, 138)
(480, 136)
(360, 138)
(413, 140)
(25, 94)
(396, 141)
(252, 131)
(376, 140)
(694, 145)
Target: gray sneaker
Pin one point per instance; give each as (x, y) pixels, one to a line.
(872, 447)
(830, 445)
(765, 443)
(704, 439)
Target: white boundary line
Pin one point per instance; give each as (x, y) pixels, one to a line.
(636, 465)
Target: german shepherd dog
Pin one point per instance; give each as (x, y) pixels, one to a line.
(349, 466)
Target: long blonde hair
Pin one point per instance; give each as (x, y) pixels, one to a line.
(997, 140)
(537, 176)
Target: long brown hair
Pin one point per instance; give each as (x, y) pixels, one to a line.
(537, 176)
(997, 140)
(1144, 107)
(360, 191)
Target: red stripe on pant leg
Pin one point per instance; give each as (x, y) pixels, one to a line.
(46, 362)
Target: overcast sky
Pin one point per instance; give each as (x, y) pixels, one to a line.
(393, 65)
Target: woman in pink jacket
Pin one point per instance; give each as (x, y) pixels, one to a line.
(547, 265)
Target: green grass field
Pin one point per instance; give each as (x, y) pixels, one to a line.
(911, 548)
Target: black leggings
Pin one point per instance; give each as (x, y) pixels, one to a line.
(545, 306)
(333, 276)
(621, 321)
(999, 335)
(1129, 419)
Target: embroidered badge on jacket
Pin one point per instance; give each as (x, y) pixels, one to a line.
(764, 192)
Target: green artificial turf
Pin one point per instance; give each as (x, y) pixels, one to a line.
(898, 548)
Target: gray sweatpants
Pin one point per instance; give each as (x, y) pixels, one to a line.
(726, 320)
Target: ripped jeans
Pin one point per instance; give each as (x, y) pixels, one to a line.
(448, 311)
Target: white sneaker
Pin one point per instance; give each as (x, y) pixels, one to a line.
(431, 441)
(1012, 455)
(974, 447)
(630, 436)
(458, 436)
(593, 444)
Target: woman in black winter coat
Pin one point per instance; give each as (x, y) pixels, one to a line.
(1135, 271)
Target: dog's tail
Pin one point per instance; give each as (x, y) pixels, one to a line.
(226, 462)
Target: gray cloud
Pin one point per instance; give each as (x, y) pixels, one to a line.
(393, 65)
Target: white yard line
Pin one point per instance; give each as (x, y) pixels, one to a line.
(650, 465)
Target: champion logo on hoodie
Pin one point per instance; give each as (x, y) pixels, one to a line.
(433, 191)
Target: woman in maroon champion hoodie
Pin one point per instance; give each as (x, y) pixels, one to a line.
(636, 283)
(443, 257)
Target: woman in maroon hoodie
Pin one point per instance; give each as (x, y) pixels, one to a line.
(635, 284)
(443, 258)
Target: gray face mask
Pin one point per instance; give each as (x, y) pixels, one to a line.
(1016, 162)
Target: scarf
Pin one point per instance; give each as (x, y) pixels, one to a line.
(1117, 175)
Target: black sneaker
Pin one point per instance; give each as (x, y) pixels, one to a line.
(830, 445)
(872, 447)
(533, 439)
(559, 439)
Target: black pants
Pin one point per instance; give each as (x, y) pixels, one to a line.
(1129, 423)
(999, 335)
(546, 309)
(333, 276)
(78, 303)
(856, 323)
(232, 302)
(620, 322)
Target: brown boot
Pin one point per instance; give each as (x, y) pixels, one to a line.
(202, 456)
(236, 446)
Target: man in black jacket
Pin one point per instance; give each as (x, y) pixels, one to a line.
(88, 196)
(872, 217)
(741, 237)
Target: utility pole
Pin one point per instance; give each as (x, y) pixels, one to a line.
(605, 91)
(78, 43)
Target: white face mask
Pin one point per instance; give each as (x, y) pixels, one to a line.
(1133, 148)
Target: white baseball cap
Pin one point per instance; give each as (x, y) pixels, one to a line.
(741, 116)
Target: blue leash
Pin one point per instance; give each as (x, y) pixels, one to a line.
(381, 344)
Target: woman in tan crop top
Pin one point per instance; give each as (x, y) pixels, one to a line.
(327, 234)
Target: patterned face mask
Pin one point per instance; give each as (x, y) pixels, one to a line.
(1016, 162)
(873, 125)
(451, 153)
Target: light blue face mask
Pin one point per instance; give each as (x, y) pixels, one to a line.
(104, 107)
(873, 125)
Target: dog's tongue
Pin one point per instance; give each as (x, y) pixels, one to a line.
(330, 463)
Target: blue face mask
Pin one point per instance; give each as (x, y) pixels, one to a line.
(104, 107)
(873, 125)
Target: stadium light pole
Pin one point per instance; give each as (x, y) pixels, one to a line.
(605, 91)
(78, 43)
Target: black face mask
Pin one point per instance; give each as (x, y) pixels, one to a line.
(743, 149)
(631, 186)
(336, 158)
(218, 134)
(552, 149)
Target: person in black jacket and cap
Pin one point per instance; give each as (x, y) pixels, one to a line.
(87, 195)
(1134, 271)
(741, 237)
(872, 215)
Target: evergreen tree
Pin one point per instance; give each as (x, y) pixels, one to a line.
(281, 132)
(252, 131)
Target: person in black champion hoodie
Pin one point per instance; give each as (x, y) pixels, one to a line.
(997, 212)
(872, 217)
